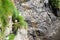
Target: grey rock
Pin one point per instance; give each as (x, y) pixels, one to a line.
(40, 19)
(58, 12)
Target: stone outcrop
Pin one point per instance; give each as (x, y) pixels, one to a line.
(43, 24)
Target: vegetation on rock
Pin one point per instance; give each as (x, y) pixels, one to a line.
(7, 9)
(55, 3)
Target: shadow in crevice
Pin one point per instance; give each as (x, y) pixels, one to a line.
(55, 10)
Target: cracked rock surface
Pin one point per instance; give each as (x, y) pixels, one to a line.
(42, 23)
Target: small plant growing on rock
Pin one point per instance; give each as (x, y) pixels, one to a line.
(55, 3)
(9, 18)
(55, 6)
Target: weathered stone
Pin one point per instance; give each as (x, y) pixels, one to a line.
(40, 19)
(21, 35)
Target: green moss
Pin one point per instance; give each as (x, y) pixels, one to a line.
(7, 9)
(55, 3)
(19, 18)
(11, 37)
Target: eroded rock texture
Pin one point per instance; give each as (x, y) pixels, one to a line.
(43, 24)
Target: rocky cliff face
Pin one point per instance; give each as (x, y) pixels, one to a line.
(42, 23)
